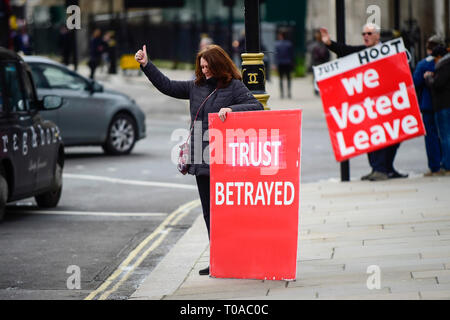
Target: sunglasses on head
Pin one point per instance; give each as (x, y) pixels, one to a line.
(368, 33)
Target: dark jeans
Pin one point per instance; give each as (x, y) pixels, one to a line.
(284, 71)
(93, 64)
(443, 124)
(432, 142)
(383, 160)
(204, 192)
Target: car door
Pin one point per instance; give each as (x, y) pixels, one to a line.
(18, 141)
(78, 118)
(43, 135)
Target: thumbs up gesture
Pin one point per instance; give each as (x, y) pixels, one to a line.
(141, 56)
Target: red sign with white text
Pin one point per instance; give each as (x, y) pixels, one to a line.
(371, 106)
(255, 189)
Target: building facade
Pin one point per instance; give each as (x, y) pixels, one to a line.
(415, 19)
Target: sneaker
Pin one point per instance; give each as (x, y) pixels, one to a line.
(378, 176)
(397, 175)
(204, 272)
(367, 176)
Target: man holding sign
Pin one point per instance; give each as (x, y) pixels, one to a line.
(382, 160)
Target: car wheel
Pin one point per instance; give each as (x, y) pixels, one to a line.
(51, 198)
(3, 193)
(121, 135)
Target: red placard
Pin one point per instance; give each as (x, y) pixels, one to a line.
(371, 107)
(255, 189)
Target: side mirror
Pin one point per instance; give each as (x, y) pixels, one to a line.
(94, 86)
(51, 102)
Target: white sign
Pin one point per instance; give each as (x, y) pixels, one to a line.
(352, 61)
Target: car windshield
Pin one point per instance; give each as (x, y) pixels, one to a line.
(52, 77)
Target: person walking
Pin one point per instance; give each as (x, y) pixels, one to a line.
(23, 41)
(65, 44)
(381, 161)
(439, 81)
(217, 88)
(111, 51)
(96, 49)
(284, 57)
(432, 142)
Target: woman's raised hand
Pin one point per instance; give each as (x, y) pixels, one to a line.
(141, 56)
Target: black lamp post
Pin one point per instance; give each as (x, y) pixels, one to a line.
(253, 69)
(74, 36)
(230, 4)
(340, 30)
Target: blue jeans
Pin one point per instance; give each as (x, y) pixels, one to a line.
(443, 125)
(432, 143)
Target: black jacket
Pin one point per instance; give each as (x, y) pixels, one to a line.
(440, 84)
(343, 49)
(235, 96)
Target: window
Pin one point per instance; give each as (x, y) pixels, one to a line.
(30, 97)
(39, 79)
(57, 78)
(13, 93)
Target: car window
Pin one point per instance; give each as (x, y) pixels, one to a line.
(38, 76)
(29, 92)
(58, 78)
(13, 93)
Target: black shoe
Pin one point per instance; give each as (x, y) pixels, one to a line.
(397, 175)
(204, 272)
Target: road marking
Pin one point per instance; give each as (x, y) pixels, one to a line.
(100, 214)
(126, 268)
(131, 182)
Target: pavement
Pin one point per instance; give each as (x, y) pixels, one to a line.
(400, 228)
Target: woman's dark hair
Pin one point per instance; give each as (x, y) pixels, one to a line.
(220, 65)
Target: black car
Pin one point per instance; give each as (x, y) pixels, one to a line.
(31, 149)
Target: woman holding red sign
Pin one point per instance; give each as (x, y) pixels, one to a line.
(217, 88)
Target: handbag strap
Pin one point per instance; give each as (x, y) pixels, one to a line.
(201, 106)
